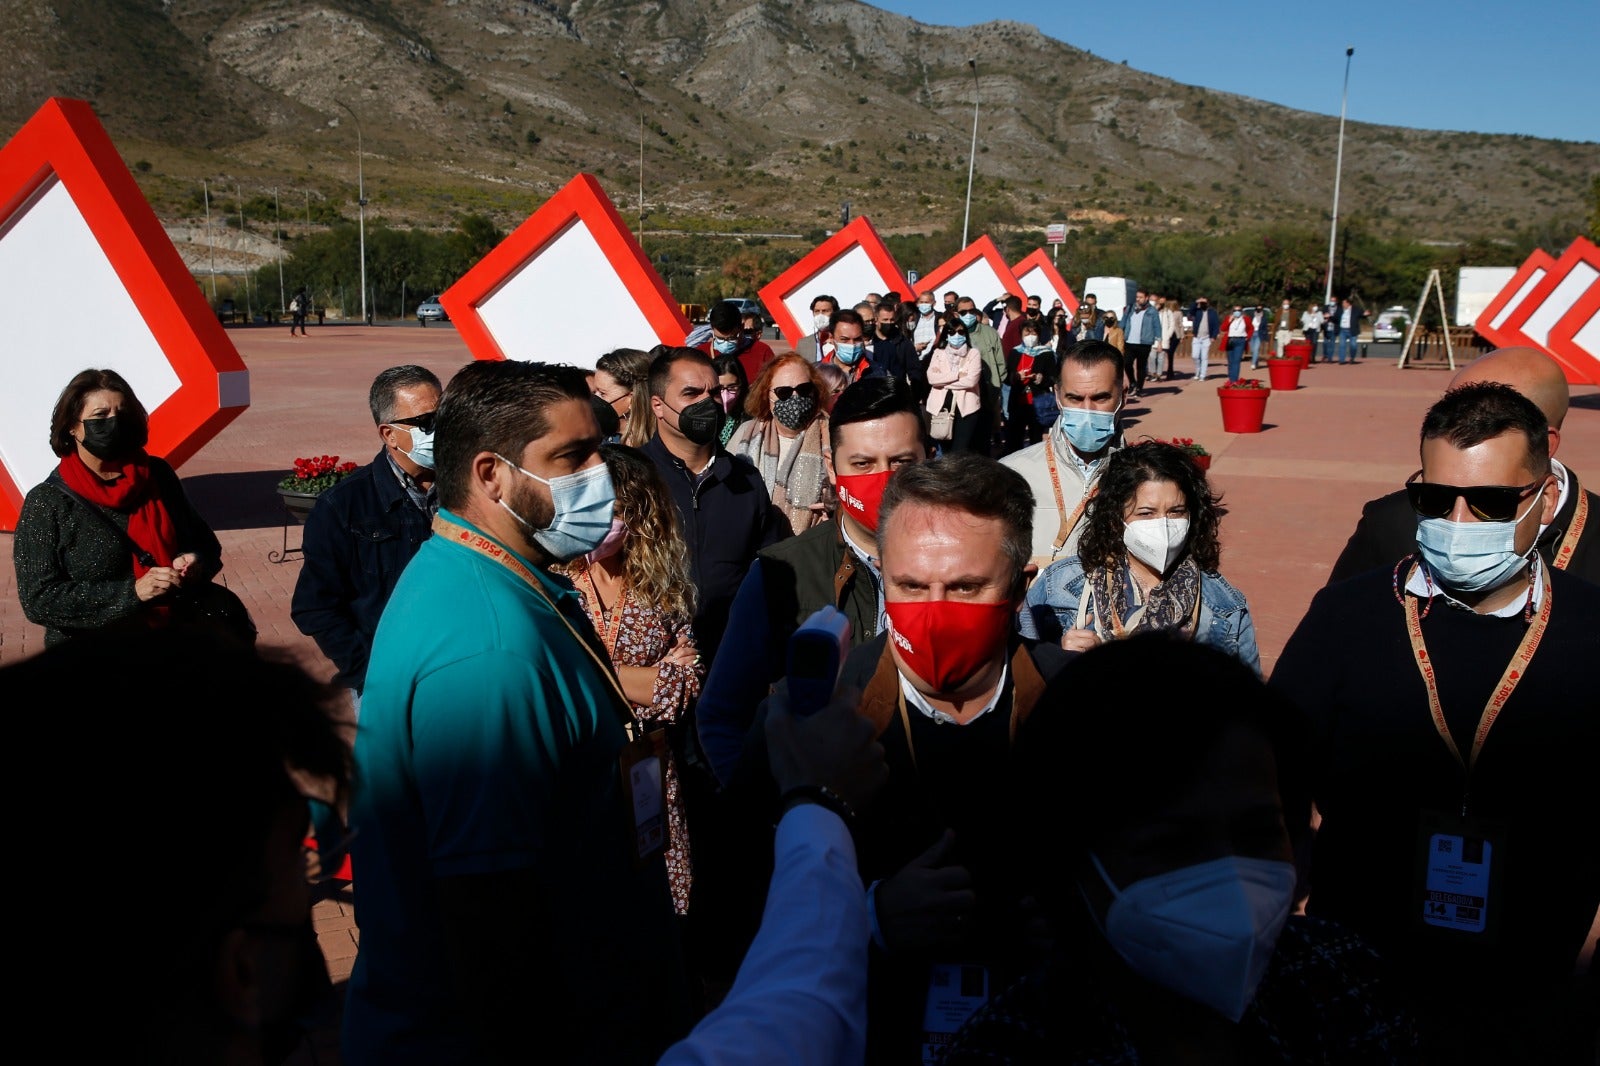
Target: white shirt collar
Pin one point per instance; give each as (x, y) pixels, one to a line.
(1420, 584)
(928, 710)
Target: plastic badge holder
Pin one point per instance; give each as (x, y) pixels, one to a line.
(816, 652)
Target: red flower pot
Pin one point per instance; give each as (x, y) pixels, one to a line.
(1202, 461)
(1300, 349)
(1285, 373)
(1243, 409)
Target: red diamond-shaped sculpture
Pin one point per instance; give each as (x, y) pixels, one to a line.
(1531, 322)
(568, 285)
(1038, 276)
(1575, 338)
(846, 266)
(978, 271)
(1492, 320)
(102, 286)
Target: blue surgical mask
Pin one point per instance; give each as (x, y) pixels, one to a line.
(421, 451)
(1206, 932)
(1088, 431)
(724, 347)
(1472, 556)
(969, 318)
(924, 309)
(957, 340)
(848, 353)
(584, 503)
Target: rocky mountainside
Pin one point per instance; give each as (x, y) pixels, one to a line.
(755, 114)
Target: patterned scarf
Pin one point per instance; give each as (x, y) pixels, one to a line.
(1168, 606)
(796, 482)
(134, 494)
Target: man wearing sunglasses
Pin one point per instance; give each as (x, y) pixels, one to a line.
(1450, 699)
(365, 529)
(1570, 541)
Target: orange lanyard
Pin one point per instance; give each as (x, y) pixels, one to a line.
(608, 631)
(1579, 517)
(477, 542)
(1068, 521)
(1503, 688)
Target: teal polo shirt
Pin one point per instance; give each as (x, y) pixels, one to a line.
(489, 742)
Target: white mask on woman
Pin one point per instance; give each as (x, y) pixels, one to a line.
(1156, 542)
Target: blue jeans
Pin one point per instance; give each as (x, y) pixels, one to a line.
(1347, 346)
(1235, 356)
(1255, 350)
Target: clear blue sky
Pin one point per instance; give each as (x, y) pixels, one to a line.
(1531, 67)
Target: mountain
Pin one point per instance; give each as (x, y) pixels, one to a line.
(754, 114)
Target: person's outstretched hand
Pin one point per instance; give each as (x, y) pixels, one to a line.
(835, 748)
(928, 902)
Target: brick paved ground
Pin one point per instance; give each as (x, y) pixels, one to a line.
(1294, 490)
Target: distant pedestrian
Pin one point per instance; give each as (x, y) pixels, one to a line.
(299, 306)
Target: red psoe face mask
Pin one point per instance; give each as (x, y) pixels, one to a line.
(945, 642)
(861, 495)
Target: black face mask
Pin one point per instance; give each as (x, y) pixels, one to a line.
(886, 329)
(105, 438)
(701, 421)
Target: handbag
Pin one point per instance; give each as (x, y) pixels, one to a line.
(210, 606)
(942, 425)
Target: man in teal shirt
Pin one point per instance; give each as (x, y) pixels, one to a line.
(510, 903)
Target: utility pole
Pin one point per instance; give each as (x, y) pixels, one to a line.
(1338, 166)
(211, 249)
(640, 96)
(972, 156)
(277, 239)
(361, 209)
(249, 308)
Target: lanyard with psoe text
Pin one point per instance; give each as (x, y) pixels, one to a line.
(1580, 516)
(477, 542)
(1509, 678)
(1068, 521)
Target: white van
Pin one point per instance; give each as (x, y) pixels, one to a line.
(1111, 294)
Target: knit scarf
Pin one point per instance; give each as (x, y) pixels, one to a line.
(795, 483)
(1168, 606)
(134, 494)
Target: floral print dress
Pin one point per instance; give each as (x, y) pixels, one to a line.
(641, 638)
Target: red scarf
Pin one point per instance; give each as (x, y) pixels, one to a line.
(134, 494)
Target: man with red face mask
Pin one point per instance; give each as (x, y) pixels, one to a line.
(874, 430)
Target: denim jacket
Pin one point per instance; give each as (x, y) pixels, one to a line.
(1051, 608)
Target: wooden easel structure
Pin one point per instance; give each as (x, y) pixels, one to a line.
(1436, 286)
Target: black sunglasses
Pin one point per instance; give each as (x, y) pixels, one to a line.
(422, 422)
(1488, 503)
(805, 388)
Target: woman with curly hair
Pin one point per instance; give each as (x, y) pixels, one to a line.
(788, 408)
(635, 587)
(1147, 562)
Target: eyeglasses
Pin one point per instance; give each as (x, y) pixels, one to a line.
(423, 422)
(805, 388)
(1488, 503)
(729, 390)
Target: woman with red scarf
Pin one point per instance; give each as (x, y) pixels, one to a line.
(76, 569)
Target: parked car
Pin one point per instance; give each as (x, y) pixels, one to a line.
(1390, 324)
(430, 310)
(748, 306)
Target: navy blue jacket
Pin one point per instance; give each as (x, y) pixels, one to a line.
(358, 539)
(725, 520)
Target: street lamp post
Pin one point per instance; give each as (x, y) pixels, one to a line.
(211, 249)
(972, 156)
(1338, 166)
(277, 240)
(361, 209)
(640, 95)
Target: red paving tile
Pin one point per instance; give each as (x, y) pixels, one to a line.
(1294, 491)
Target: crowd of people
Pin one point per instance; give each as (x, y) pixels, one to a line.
(1054, 811)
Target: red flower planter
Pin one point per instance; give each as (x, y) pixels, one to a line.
(1285, 373)
(1202, 461)
(1301, 350)
(1243, 409)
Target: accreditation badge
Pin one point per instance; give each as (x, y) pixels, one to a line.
(955, 992)
(1460, 875)
(643, 764)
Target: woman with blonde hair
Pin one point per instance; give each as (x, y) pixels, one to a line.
(636, 590)
(785, 436)
(621, 380)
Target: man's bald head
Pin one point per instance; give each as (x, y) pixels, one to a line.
(1529, 371)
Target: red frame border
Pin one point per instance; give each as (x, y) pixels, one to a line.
(982, 248)
(1040, 259)
(1579, 251)
(1562, 344)
(1539, 260)
(66, 139)
(859, 231)
(583, 199)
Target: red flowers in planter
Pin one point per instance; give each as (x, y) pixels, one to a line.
(316, 474)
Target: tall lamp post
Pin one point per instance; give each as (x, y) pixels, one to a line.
(361, 208)
(972, 156)
(1338, 167)
(640, 95)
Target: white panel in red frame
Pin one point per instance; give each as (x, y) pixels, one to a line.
(1038, 276)
(978, 271)
(1575, 338)
(846, 266)
(1574, 274)
(102, 287)
(1491, 323)
(566, 286)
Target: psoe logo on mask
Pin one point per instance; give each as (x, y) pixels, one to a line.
(846, 498)
(905, 645)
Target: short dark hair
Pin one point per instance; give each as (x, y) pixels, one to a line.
(725, 317)
(629, 366)
(1470, 414)
(495, 405)
(732, 364)
(1101, 543)
(868, 400)
(381, 396)
(133, 418)
(1092, 353)
(1013, 302)
(966, 481)
(847, 314)
(819, 299)
(662, 359)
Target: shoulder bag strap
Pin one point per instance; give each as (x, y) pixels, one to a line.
(1027, 686)
(882, 696)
